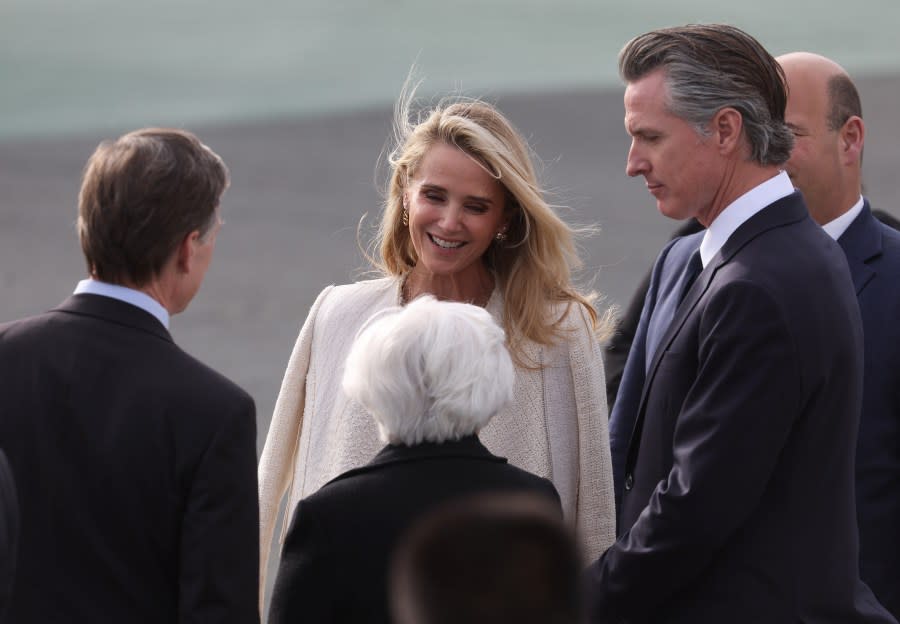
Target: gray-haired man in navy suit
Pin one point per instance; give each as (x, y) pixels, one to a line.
(737, 497)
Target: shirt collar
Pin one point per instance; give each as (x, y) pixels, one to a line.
(741, 209)
(836, 227)
(123, 293)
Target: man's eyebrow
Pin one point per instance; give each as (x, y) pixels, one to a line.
(640, 131)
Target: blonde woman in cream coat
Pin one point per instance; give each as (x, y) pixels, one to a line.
(465, 221)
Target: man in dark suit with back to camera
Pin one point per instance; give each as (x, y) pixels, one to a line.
(737, 503)
(135, 463)
(825, 115)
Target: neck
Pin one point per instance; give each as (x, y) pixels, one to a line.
(739, 178)
(471, 287)
(824, 214)
(156, 290)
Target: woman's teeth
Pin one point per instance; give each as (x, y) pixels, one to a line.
(440, 242)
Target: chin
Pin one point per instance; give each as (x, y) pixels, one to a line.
(673, 212)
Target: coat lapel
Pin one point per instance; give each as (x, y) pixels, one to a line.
(862, 246)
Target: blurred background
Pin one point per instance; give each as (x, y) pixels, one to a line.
(296, 95)
(73, 67)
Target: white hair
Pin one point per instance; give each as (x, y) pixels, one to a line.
(431, 371)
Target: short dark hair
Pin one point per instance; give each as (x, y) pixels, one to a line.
(498, 559)
(709, 67)
(140, 196)
(843, 101)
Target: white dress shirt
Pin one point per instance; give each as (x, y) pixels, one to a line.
(836, 227)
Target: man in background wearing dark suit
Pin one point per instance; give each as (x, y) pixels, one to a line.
(737, 502)
(825, 115)
(135, 463)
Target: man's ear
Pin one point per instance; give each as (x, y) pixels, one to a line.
(726, 126)
(851, 140)
(184, 259)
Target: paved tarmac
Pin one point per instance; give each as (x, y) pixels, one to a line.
(299, 190)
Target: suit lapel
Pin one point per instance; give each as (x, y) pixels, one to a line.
(787, 210)
(668, 292)
(114, 311)
(862, 246)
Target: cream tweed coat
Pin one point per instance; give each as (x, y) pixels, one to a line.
(555, 427)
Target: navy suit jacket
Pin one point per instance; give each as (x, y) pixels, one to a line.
(738, 502)
(136, 471)
(334, 564)
(873, 254)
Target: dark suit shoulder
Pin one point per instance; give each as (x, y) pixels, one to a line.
(193, 372)
(890, 240)
(20, 331)
(887, 219)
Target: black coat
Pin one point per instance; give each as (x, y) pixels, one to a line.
(336, 554)
(738, 493)
(136, 471)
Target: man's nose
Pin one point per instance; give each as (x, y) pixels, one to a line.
(635, 164)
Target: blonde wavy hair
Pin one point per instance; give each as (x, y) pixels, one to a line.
(533, 266)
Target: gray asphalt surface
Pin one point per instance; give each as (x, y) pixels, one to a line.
(298, 191)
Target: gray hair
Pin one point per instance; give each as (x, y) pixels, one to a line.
(709, 67)
(431, 371)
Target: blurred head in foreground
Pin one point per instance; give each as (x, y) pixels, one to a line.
(498, 559)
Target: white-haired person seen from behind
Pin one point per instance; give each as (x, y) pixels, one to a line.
(432, 374)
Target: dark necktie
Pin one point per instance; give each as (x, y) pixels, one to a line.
(691, 271)
(667, 305)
